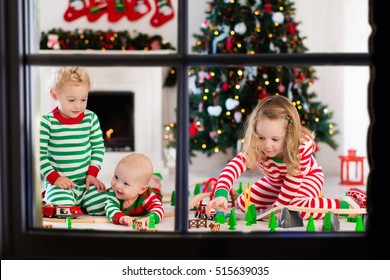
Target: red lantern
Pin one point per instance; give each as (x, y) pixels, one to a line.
(346, 162)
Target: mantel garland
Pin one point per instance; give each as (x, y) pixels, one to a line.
(88, 39)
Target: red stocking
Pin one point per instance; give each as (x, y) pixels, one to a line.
(97, 8)
(76, 9)
(137, 9)
(163, 13)
(116, 9)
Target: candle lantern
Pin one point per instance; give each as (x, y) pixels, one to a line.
(346, 165)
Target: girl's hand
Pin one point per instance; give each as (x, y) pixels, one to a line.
(64, 182)
(91, 180)
(126, 220)
(216, 203)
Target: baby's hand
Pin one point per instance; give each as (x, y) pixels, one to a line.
(91, 180)
(126, 220)
(216, 203)
(64, 182)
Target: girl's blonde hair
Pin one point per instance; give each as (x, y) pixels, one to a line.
(274, 108)
(70, 75)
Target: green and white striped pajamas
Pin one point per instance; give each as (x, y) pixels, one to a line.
(73, 148)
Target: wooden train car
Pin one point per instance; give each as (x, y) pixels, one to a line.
(51, 211)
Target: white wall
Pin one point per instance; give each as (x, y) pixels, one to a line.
(329, 25)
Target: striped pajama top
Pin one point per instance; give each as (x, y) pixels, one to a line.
(70, 147)
(146, 203)
(275, 170)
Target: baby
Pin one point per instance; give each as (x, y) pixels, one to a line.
(130, 194)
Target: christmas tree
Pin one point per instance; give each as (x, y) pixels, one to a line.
(221, 98)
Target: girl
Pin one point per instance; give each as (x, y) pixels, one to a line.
(277, 145)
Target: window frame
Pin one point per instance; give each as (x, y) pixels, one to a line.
(19, 239)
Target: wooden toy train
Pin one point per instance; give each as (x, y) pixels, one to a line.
(51, 211)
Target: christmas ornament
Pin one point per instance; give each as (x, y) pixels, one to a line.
(204, 24)
(268, 8)
(229, 43)
(263, 94)
(225, 86)
(231, 103)
(52, 42)
(214, 136)
(281, 88)
(214, 111)
(251, 72)
(224, 33)
(192, 85)
(278, 17)
(272, 48)
(237, 116)
(291, 27)
(240, 28)
(193, 130)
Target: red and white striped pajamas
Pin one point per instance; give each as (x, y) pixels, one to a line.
(276, 187)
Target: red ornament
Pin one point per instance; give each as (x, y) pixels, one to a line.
(268, 8)
(263, 95)
(229, 43)
(193, 131)
(291, 27)
(225, 87)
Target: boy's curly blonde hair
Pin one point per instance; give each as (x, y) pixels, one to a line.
(274, 108)
(70, 75)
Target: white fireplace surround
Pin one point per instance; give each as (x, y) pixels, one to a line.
(146, 83)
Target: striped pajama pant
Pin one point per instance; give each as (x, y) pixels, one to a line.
(264, 193)
(92, 200)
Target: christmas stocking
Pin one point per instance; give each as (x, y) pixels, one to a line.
(163, 13)
(116, 9)
(137, 9)
(96, 9)
(76, 9)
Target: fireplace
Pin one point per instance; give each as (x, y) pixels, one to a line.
(115, 111)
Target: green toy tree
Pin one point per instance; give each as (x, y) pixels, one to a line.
(221, 98)
(197, 189)
(152, 221)
(173, 198)
(273, 222)
(248, 216)
(359, 224)
(310, 225)
(252, 208)
(232, 220)
(327, 224)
